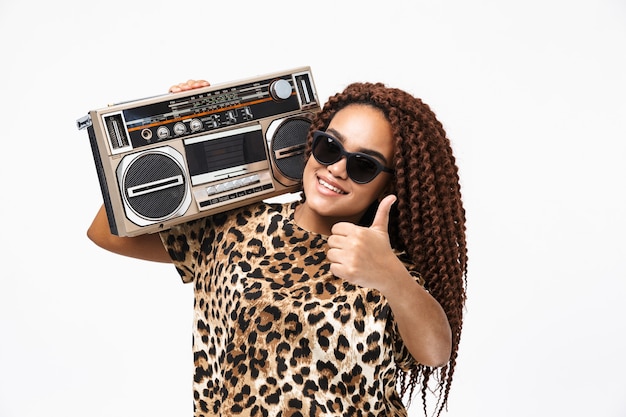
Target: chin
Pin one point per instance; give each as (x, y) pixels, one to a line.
(340, 208)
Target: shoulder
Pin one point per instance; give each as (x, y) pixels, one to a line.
(256, 212)
(250, 218)
(191, 241)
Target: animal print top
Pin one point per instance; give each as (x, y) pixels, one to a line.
(275, 333)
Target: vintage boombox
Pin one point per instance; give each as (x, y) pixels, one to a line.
(176, 157)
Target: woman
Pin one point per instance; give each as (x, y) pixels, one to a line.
(327, 305)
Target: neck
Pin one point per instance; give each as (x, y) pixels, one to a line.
(311, 221)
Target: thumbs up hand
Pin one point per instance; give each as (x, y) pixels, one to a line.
(363, 255)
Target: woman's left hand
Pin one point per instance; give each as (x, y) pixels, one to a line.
(363, 255)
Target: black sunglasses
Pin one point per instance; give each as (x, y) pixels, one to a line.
(361, 168)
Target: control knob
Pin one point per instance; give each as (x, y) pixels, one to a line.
(195, 125)
(180, 128)
(163, 132)
(280, 89)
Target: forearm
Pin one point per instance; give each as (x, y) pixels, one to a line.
(421, 320)
(147, 247)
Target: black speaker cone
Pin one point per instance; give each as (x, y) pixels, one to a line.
(288, 145)
(154, 186)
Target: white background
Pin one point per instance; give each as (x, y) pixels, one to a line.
(531, 94)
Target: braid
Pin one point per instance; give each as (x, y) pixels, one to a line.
(428, 221)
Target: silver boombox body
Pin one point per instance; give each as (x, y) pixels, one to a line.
(177, 157)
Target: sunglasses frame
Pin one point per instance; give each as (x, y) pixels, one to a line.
(318, 134)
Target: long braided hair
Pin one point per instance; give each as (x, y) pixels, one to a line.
(428, 221)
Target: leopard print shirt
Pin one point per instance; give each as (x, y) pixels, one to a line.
(275, 333)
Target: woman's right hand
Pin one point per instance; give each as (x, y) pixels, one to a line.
(189, 85)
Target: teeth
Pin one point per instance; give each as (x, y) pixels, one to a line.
(330, 187)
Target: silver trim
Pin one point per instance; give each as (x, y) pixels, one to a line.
(84, 122)
(218, 135)
(122, 168)
(151, 187)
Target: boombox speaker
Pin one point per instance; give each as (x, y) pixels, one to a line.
(177, 157)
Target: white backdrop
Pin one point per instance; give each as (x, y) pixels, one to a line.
(531, 94)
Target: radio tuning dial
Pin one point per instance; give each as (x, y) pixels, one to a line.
(280, 89)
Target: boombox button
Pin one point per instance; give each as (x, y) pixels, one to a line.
(211, 190)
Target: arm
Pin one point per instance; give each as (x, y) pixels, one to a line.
(422, 322)
(148, 247)
(363, 256)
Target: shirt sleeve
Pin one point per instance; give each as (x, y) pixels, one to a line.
(184, 243)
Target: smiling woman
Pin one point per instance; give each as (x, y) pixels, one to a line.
(427, 225)
(328, 305)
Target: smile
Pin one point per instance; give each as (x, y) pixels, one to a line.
(330, 187)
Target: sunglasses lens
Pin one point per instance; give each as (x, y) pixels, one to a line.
(326, 150)
(361, 169)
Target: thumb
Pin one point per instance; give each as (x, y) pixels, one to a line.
(381, 220)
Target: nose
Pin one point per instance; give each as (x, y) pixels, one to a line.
(338, 169)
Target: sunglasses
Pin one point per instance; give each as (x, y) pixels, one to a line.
(361, 168)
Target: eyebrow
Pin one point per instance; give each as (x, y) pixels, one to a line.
(367, 151)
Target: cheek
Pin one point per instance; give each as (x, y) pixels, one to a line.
(307, 165)
(388, 187)
(307, 173)
(381, 183)
(381, 190)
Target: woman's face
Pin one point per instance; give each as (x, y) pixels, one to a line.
(331, 196)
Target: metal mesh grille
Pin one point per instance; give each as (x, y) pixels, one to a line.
(159, 204)
(291, 133)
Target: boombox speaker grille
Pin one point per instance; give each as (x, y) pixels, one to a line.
(158, 203)
(291, 134)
